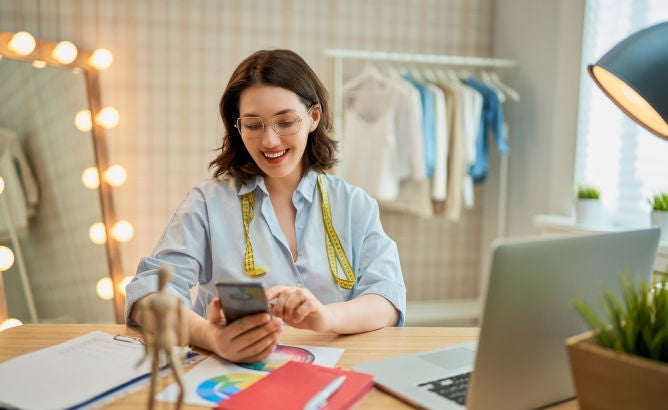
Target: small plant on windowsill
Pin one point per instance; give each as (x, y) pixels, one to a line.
(631, 340)
(659, 214)
(587, 206)
(588, 192)
(659, 202)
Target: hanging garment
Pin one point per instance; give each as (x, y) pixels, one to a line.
(492, 120)
(21, 193)
(369, 145)
(428, 123)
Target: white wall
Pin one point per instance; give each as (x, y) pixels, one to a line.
(544, 37)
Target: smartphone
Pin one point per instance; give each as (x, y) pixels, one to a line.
(239, 299)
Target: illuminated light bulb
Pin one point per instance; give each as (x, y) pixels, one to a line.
(2, 184)
(123, 284)
(22, 43)
(97, 233)
(11, 322)
(108, 117)
(65, 52)
(90, 178)
(83, 121)
(105, 289)
(6, 258)
(122, 231)
(115, 175)
(39, 64)
(101, 59)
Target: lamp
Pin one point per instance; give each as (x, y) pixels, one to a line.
(634, 75)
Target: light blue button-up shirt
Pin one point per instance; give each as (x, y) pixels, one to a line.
(205, 243)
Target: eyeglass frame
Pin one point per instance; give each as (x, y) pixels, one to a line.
(237, 123)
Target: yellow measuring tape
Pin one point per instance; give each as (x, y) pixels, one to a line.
(334, 249)
(247, 213)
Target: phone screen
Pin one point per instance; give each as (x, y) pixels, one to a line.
(241, 299)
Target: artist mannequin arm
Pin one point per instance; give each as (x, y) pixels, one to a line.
(249, 339)
(299, 308)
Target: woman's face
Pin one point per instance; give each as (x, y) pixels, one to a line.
(279, 155)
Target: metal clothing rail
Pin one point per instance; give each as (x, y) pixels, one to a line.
(339, 55)
(419, 58)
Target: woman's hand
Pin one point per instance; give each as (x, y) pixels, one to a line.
(299, 308)
(246, 340)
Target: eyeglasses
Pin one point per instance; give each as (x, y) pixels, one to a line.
(284, 124)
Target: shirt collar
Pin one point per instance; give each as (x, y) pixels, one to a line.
(306, 187)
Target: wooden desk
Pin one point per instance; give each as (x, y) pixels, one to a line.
(359, 348)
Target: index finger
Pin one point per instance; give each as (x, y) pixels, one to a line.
(274, 291)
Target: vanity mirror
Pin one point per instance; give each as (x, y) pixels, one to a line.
(58, 266)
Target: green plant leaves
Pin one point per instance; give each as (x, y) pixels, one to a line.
(659, 202)
(587, 192)
(637, 324)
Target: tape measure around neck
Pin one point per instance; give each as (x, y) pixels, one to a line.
(333, 244)
(247, 213)
(334, 249)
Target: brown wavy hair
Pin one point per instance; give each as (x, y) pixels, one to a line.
(285, 69)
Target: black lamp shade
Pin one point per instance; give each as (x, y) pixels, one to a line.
(634, 74)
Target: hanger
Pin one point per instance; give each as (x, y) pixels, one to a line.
(429, 74)
(487, 80)
(369, 73)
(514, 95)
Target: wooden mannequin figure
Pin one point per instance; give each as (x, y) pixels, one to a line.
(164, 313)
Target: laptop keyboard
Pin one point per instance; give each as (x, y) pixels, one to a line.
(452, 388)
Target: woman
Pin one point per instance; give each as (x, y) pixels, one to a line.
(271, 215)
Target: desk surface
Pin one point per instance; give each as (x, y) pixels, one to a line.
(359, 348)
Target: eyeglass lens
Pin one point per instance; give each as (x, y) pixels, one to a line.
(283, 124)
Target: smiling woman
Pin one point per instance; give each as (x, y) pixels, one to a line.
(44, 88)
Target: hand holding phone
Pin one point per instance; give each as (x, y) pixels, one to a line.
(239, 299)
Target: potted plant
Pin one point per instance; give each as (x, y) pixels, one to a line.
(659, 213)
(622, 363)
(587, 206)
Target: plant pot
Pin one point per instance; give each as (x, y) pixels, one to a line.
(660, 219)
(588, 212)
(605, 379)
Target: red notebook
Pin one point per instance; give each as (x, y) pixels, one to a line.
(292, 385)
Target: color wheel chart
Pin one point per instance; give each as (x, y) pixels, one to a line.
(214, 379)
(280, 356)
(219, 388)
(222, 387)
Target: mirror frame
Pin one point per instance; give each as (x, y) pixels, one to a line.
(42, 52)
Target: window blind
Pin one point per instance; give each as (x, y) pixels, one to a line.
(627, 163)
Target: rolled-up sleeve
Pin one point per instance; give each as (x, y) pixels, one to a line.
(183, 246)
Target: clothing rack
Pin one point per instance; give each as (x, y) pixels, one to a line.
(339, 55)
(469, 310)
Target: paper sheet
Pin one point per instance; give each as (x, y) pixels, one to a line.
(214, 379)
(71, 373)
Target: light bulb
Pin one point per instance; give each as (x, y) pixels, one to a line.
(39, 64)
(101, 59)
(65, 52)
(107, 117)
(97, 233)
(22, 43)
(82, 121)
(115, 175)
(122, 231)
(6, 258)
(123, 284)
(2, 185)
(90, 178)
(11, 322)
(105, 289)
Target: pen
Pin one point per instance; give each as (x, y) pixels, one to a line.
(321, 397)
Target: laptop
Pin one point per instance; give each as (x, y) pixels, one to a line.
(520, 359)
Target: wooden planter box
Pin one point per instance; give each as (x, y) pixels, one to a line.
(608, 380)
